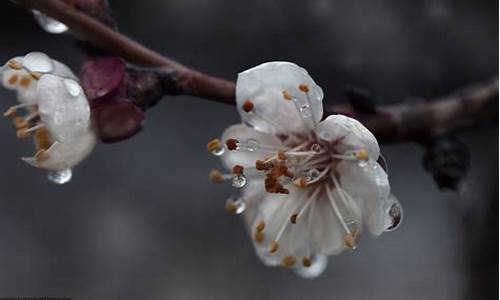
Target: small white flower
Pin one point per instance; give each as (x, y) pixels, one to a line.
(53, 107)
(308, 186)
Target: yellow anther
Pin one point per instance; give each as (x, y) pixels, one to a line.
(350, 239)
(288, 261)
(304, 88)
(214, 145)
(25, 81)
(14, 65)
(261, 227)
(13, 79)
(287, 95)
(300, 182)
(20, 122)
(247, 106)
(281, 155)
(273, 247)
(10, 112)
(36, 75)
(23, 133)
(258, 237)
(231, 208)
(215, 176)
(232, 144)
(362, 154)
(306, 262)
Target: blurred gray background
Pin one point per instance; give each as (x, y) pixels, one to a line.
(140, 219)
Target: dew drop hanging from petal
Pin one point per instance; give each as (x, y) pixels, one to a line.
(49, 24)
(60, 177)
(317, 267)
(395, 216)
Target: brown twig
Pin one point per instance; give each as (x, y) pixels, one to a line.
(392, 123)
(191, 82)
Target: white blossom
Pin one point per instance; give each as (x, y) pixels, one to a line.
(52, 107)
(309, 187)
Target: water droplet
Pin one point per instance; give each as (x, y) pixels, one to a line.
(60, 177)
(218, 151)
(252, 145)
(316, 148)
(305, 110)
(362, 163)
(49, 24)
(235, 205)
(72, 87)
(317, 267)
(312, 174)
(38, 62)
(395, 216)
(239, 180)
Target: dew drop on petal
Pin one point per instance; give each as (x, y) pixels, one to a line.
(252, 145)
(60, 177)
(38, 62)
(362, 163)
(239, 181)
(318, 265)
(395, 216)
(235, 205)
(49, 24)
(72, 87)
(305, 110)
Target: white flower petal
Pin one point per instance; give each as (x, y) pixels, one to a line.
(275, 211)
(370, 186)
(327, 234)
(63, 106)
(264, 85)
(244, 134)
(67, 154)
(38, 62)
(253, 193)
(348, 134)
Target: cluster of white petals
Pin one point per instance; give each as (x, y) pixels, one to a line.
(309, 186)
(53, 109)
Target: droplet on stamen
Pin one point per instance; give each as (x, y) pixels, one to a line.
(312, 174)
(239, 180)
(215, 147)
(60, 177)
(315, 148)
(235, 205)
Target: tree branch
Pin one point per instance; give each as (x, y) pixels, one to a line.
(191, 82)
(390, 123)
(418, 121)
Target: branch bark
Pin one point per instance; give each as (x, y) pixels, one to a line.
(390, 124)
(191, 82)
